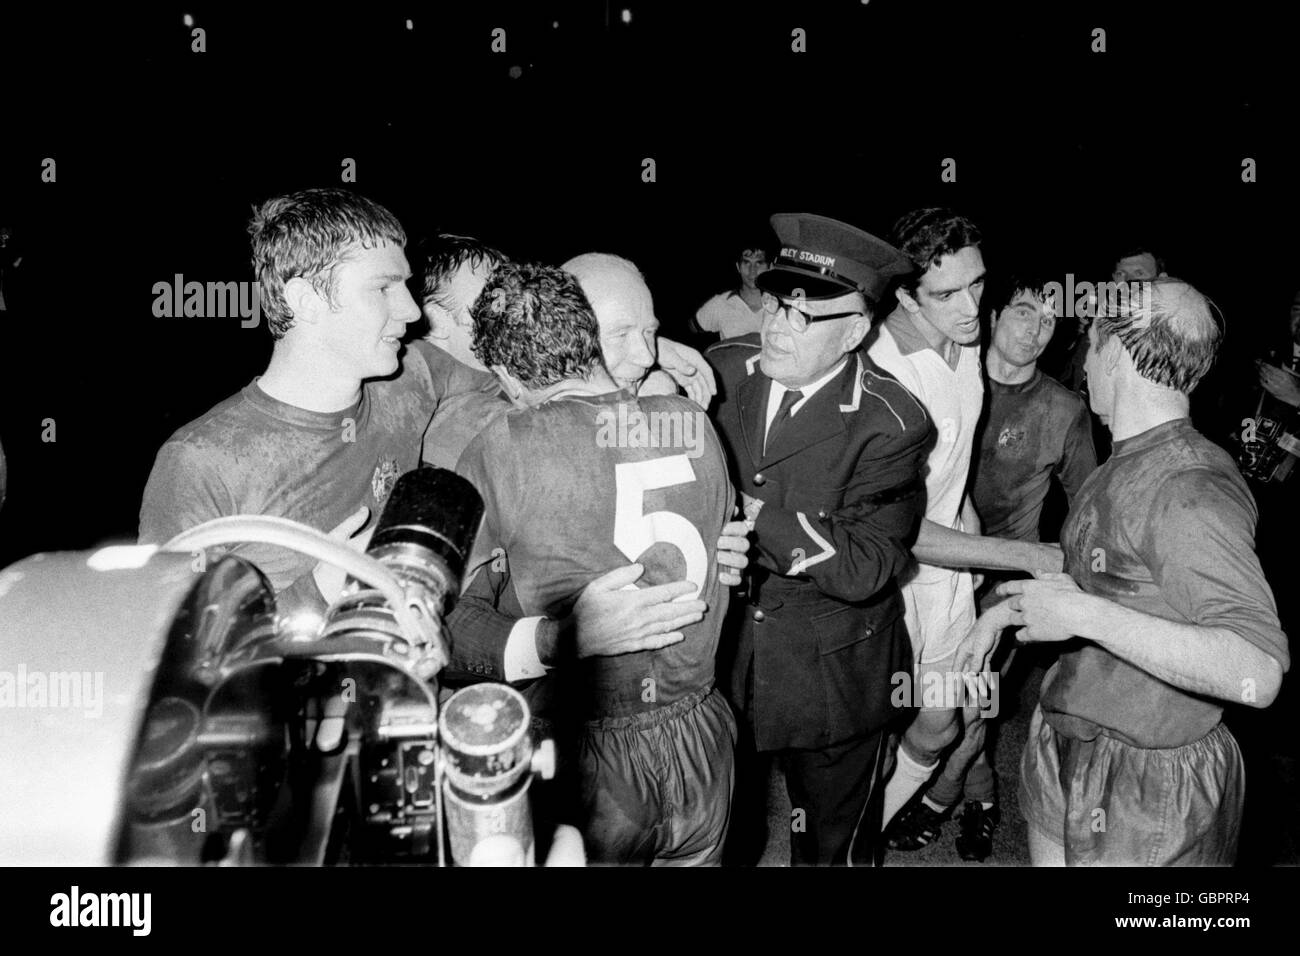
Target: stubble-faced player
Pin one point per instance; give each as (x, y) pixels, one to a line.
(584, 476)
(1175, 616)
(930, 343)
(827, 451)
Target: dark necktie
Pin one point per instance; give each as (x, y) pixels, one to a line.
(788, 401)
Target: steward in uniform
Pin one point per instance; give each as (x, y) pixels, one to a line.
(827, 450)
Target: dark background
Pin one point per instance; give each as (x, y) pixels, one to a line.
(1062, 154)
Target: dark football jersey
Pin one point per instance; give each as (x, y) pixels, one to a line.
(585, 484)
(252, 454)
(1166, 527)
(1029, 433)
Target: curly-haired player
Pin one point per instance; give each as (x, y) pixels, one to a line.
(580, 478)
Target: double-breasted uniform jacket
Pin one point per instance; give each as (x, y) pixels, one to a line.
(821, 634)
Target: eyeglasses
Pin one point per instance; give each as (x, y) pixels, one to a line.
(799, 319)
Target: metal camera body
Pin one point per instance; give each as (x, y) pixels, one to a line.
(235, 734)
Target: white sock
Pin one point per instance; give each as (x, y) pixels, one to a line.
(909, 777)
(937, 808)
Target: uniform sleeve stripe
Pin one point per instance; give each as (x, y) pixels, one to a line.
(827, 552)
(890, 407)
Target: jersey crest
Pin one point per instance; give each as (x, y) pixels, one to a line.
(381, 483)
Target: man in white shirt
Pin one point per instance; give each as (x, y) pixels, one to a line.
(930, 343)
(737, 311)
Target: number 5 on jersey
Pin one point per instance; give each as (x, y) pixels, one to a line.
(635, 531)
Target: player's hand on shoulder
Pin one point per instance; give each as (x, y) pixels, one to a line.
(657, 383)
(608, 620)
(689, 370)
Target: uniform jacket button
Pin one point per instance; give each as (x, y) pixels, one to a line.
(759, 615)
(759, 479)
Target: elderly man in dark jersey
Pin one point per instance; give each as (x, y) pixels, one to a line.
(1165, 608)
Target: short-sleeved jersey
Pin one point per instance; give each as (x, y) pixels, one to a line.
(581, 485)
(1030, 432)
(252, 454)
(728, 315)
(1166, 526)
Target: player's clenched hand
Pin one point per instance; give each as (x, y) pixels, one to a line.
(608, 620)
(733, 552)
(1051, 608)
(689, 370)
(330, 578)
